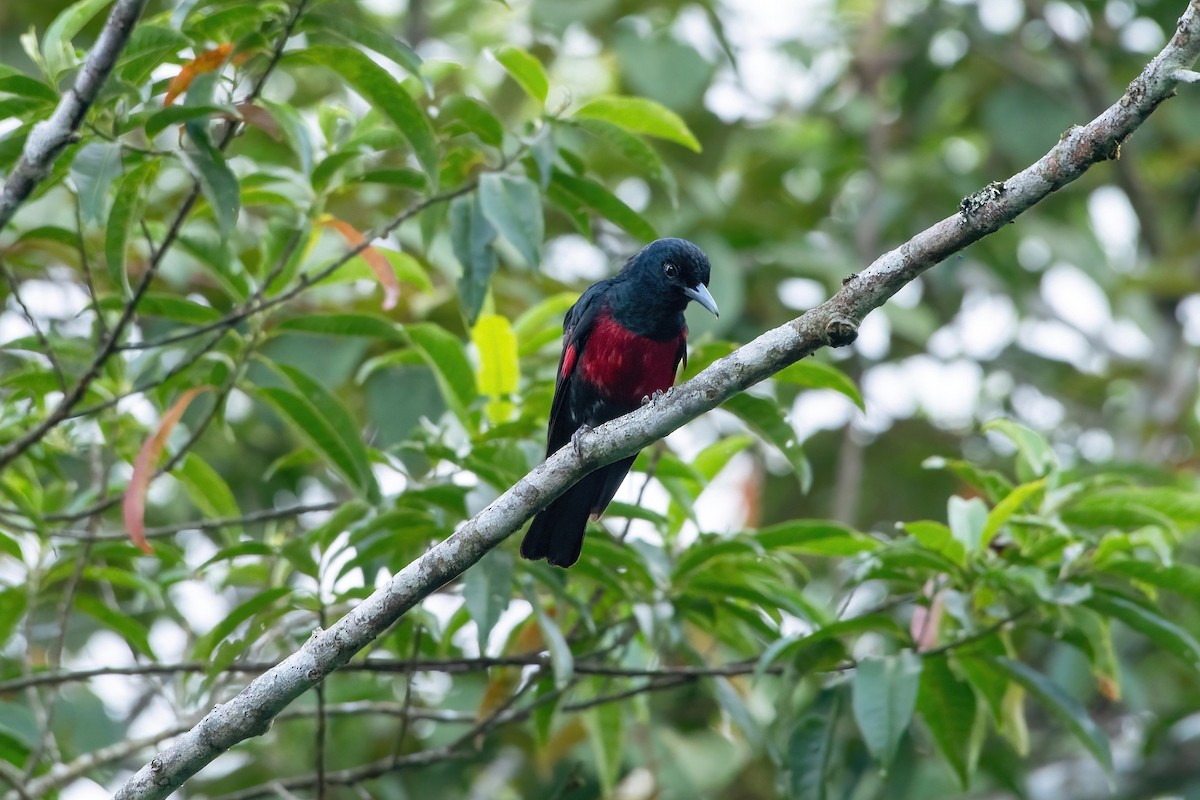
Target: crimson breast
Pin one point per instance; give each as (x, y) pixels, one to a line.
(626, 366)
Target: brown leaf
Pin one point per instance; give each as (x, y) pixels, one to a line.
(207, 61)
(375, 260)
(499, 690)
(134, 505)
(260, 118)
(926, 621)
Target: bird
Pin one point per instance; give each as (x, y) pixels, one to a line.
(623, 342)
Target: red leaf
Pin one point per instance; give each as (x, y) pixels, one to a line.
(375, 260)
(134, 506)
(207, 61)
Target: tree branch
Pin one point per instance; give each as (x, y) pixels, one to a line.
(833, 323)
(50, 137)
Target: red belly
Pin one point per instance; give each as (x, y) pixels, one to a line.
(626, 366)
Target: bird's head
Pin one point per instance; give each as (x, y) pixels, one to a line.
(676, 268)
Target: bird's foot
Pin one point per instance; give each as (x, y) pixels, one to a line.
(576, 436)
(647, 399)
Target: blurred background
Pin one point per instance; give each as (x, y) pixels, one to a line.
(830, 132)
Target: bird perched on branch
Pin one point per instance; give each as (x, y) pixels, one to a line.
(623, 341)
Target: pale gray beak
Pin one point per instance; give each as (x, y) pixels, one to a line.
(700, 294)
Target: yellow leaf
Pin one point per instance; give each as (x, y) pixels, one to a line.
(498, 372)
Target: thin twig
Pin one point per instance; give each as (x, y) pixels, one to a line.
(14, 288)
(305, 280)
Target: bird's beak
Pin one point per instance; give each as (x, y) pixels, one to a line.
(700, 294)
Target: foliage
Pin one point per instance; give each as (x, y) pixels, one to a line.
(313, 295)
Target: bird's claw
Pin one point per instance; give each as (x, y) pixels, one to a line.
(576, 437)
(647, 399)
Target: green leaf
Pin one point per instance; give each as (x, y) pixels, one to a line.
(295, 132)
(1148, 622)
(12, 609)
(714, 458)
(1133, 507)
(260, 600)
(1006, 508)
(93, 170)
(1036, 457)
(819, 375)
(767, 419)
(639, 115)
(1183, 579)
(234, 551)
(544, 318)
(512, 205)
(525, 70)
(967, 518)
(705, 550)
(445, 354)
(631, 147)
(1064, 707)
(605, 725)
(949, 709)
(809, 747)
(403, 177)
(816, 537)
(57, 52)
(373, 38)
(307, 422)
(499, 370)
(1094, 636)
(611, 207)
(334, 413)
(562, 661)
(471, 237)
(149, 46)
(884, 696)
(127, 206)
(128, 628)
(206, 488)
(25, 86)
(937, 537)
(369, 326)
(10, 546)
(179, 114)
(407, 269)
(209, 168)
(994, 485)
(792, 647)
(474, 116)
(165, 306)
(487, 589)
(383, 92)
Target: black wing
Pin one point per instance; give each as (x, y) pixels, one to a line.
(577, 326)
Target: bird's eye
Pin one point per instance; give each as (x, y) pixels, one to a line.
(670, 269)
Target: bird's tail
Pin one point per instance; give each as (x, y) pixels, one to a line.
(556, 533)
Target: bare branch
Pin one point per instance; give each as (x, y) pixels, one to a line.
(834, 323)
(50, 137)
